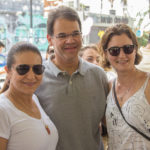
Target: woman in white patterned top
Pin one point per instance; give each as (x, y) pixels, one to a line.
(132, 86)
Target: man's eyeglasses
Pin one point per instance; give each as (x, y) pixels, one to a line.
(115, 51)
(23, 69)
(63, 36)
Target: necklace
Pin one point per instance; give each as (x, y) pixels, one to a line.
(27, 110)
(46, 127)
(130, 87)
(121, 98)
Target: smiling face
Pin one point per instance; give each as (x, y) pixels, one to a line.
(66, 50)
(27, 83)
(122, 62)
(91, 56)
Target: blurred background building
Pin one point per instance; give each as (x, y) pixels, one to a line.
(22, 20)
(26, 20)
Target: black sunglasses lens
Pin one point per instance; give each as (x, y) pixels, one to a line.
(128, 49)
(38, 69)
(22, 69)
(114, 51)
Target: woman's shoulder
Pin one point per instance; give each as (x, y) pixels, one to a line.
(4, 105)
(110, 83)
(35, 98)
(111, 75)
(148, 87)
(3, 100)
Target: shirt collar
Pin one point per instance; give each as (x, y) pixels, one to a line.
(81, 69)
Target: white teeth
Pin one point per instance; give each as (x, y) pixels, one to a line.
(122, 61)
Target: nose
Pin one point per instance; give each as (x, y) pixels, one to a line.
(95, 62)
(30, 74)
(69, 39)
(122, 54)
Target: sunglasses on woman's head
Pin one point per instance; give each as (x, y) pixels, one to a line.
(23, 69)
(115, 51)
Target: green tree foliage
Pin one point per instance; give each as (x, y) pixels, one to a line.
(140, 17)
(143, 39)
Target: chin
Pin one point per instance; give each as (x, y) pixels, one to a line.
(28, 91)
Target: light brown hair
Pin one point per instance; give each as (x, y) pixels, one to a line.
(118, 29)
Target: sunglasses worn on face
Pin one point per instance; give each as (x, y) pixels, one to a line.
(115, 51)
(23, 69)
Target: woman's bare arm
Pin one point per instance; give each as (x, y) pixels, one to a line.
(147, 93)
(3, 143)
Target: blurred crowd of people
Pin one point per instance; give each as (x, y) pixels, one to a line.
(78, 93)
